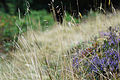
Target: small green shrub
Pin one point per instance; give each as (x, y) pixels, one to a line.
(11, 26)
(8, 30)
(7, 25)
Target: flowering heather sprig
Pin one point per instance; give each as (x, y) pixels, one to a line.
(103, 57)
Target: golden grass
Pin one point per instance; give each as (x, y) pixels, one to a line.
(42, 55)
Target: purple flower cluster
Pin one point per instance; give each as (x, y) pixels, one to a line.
(109, 61)
(103, 57)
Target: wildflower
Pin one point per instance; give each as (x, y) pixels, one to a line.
(106, 56)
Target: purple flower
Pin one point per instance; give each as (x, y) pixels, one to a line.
(109, 53)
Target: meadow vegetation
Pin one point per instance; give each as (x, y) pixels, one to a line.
(45, 50)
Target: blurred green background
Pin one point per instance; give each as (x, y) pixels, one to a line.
(16, 16)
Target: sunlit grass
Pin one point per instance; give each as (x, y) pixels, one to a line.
(43, 55)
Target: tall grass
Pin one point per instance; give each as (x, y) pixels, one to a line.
(44, 56)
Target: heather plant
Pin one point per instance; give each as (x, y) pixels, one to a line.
(103, 57)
